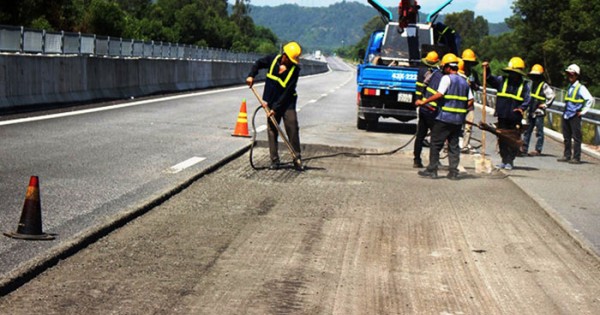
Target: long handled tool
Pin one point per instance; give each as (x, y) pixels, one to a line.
(297, 160)
(512, 137)
(484, 165)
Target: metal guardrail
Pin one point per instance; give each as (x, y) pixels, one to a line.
(592, 117)
(18, 39)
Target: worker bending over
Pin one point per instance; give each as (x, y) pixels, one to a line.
(281, 97)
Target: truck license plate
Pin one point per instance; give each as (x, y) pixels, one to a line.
(405, 97)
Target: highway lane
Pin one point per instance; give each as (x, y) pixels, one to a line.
(97, 164)
(351, 235)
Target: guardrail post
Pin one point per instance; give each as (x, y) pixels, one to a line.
(43, 42)
(62, 42)
(22, 40)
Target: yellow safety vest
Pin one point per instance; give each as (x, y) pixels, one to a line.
(537, 95)
(272, 74)
(573, 98)
(517, 97)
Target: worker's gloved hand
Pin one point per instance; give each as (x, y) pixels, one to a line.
(518, 114)
(250, 81)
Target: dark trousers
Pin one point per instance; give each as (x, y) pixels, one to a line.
(571, 128)
(425, 124)
(439, 134)
(538, 124)
(507, 152)
(290, 121)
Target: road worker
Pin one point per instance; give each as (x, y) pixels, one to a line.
(512, 100)
(469, 61)
(578, 101)
(455, 99)
(281, 97)
(427, 85)
(542, 96)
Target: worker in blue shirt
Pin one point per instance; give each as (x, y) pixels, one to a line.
(512, 100)
(578, 101)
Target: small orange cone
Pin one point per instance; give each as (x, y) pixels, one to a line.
(30, 226)
(241, 127)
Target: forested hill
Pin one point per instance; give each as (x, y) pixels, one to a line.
(325, 28)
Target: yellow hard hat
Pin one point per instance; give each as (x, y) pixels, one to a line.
(537, 69)
(432, 59)
(469, 55)
(293, 51)
(461, 66)
(516, 64)
(450, 60)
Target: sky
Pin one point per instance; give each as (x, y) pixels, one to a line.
(495, 11)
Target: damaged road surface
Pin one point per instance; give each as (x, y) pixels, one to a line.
(351, 235)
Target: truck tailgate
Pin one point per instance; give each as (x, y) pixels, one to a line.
(396, 78)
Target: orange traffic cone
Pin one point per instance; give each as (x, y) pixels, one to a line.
(241, 127)
(30, 226)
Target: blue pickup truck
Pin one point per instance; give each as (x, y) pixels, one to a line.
(386, 79)
(387, 75)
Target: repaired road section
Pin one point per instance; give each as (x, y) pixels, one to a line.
(350, 235)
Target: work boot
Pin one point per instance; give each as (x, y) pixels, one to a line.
(452, 175)
(275, 165)
(427, 173)
(574, 161)
(298, 165)
(563, 159)
(418, 164)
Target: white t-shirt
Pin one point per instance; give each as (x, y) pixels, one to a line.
(445, 84)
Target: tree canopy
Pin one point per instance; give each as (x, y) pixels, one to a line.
(195, 22)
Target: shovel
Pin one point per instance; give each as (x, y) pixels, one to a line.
(297, 161)
(483, 164)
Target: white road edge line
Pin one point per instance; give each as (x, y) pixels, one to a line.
(185, 164)
(101, 109)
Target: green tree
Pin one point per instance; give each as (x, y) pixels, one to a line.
(104, 18)
(471, 29)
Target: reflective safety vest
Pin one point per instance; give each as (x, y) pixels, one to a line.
(536, 94)
(455, 106)
(434, 83)
(509, 98)
(274, 71)
(442, 33)
(573, 101)
(517, 97)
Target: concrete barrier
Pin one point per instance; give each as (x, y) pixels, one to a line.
(28, 81)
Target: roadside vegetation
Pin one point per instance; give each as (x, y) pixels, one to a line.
(193, 22)
(553, 34)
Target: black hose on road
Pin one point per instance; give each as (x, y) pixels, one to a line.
(350, 154)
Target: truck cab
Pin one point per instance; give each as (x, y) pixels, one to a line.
(387, 76)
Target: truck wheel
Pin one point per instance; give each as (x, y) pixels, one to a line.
(361, 124)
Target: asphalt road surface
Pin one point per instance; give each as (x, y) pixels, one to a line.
(351, 235)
